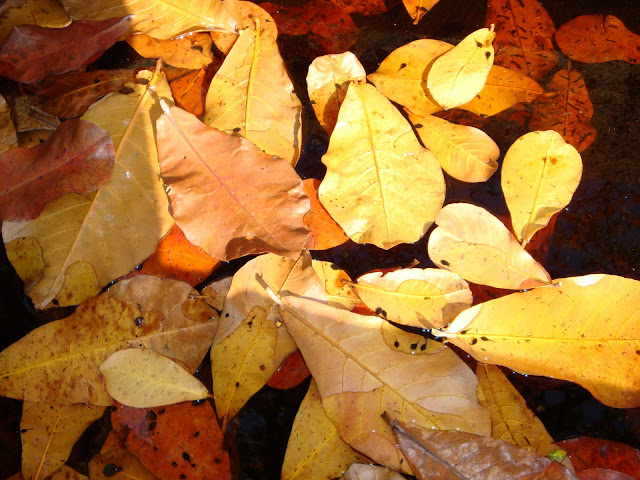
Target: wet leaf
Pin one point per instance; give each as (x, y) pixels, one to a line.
(78, 157)
(101, 467)
(244, 12)
(586, 453)
(337, 285)
(581, 329)
(363, 7)
(45, 13)
(8, 136)
(324, 232)
(540, 172)
(291, 372)
(473, 243)
(361, 471)
(187, 88)
(25, 255)
(418, 8)
(603, 474)
(192, 50)
(377, 171)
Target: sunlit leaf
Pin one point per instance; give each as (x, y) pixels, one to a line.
(337, 285)
(192, 50)
(418, 8)
(324, 231)
(361, 471)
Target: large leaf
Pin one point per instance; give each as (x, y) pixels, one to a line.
(228, 197)
(381, 186)
(252, 95)
(582, 329)
(90, 240)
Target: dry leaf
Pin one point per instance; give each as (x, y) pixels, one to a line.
(361, 471)
(466, 153)
(127, 464)
(324, 232)
(476, 245)
(582, 329)
(423, 298)
(45, 13)
(252, 95)
(192, 50)
(26, 257)
(227, 196)
(215, 293)
(27, 118)
(418, 8)
(459, 74)
(244, 12)
(187, 88)
(381, 186)
(337, 285)
(8, 136)
(290, 373)
(540, 172)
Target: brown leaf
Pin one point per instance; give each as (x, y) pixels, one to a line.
(8, 135)
(362, 7)
(603, 474)
(587, 452)
(78, 157)
(30, 53)
(229, 197)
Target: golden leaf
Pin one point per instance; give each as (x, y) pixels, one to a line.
(418, 8)
(192, 50)
(131, 466)
(336, 282)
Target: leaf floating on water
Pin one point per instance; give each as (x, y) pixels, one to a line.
(418, 8)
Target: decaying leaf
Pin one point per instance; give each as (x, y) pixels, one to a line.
(25, 255)
(28, 118)
(45, 13)
(540, 172)
(324, 232)
(192, 50)
(476, 245)
(381, 186)
(418, 8)
(582, 329)
(363, 7)
(8, 135)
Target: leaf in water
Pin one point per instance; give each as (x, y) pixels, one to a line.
(381, 186)
(460, 455)
(78, 157)
(466, 153)
(587, 452)
(362, 7)
(102, 465)
(161, 20)
(327, 82)
(524, 33)
(315, 449)
(187, 88)
(252, 95)
(336, 283)
(140, 312)
(30, 53)
(417, 297)
(244, 12)
(8, 136)
(25, 255)
(473, 243)
(418, 8)
(45, 13)
(459, 74)
(215, 293)
(598, 38)
(582, 329)
(603, 474)
(126, 217)
(28, 120)
(567, 109)
(324, 232)
(402, 76)
(177, 441)
(291, 372)
(361, 471)
(540, 172)
(192, 50)
(228, 197)
(49, 432)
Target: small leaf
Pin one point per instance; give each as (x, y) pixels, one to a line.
(361, 471)
(291, 372)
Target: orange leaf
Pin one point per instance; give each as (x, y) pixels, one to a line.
(191, 50)
(325, 232)
(291, 372)
(188, 87)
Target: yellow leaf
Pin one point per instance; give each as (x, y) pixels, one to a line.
(131, 468)
(215, 293)
(339, 294)
(67, 473)
(477, 246)
(315, 450)
(466, 153)
(402, 76)
(142, 378)
(140, 312)
(423, 298)
(49, 432)
(244, 12)
(381, 186)
(582, 329)
(116, 228)
(540, 172)
(158, 18)
(44, 13)
(418, 8)
(252, 95)
(191, 51)
(25, 254)
(327, 82)
(460, 74)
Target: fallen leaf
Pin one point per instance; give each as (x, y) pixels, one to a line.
(598, 38)
(603, 474)
(161, 20)
(327, 82)
(409, 342)
(28, 118)
(586, 453)
(524, 32)
(118, 465)
(417, 297)
(291, 372)
(244, 12)
(361, 471)
(337, 285)
(363, 7)
(376, 171)
(49, 432)
(177, 441)
(567, 109)
(139, 312)
(473, 243)
(127, 216)
(466, 153)
(67, 473)
(78, 157)
(324, 232)
(8, 136)
(252, 95)
(25, 255)
(459, 74)
(540, 172)
(418, 8)
(581, 329)
(315, 449)
(44, 13)
(259, 201)
(215, 293)
(188, 88)
(30, 52)
(192, 50)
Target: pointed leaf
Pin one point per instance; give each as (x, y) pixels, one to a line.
(187, 87)
(324, 232)
(418, 8)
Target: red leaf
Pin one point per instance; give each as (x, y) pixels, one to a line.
(78, 157)
(587, 452)
(291, 372)
(30, 53)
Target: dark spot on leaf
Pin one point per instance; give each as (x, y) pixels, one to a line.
(473, 341)
(151, 415)
(186, 456)
(487, 54)
(423, 347)
(139, 320)
(217, 460)
(445, 263)
(418, 125)
(484, 339)
(396, 344)
(197, 434)
(226, 315)
(174, 464)
(478, 44)
(402, 65)
(414, 346)
(111, 469)
(24, 430)
(237, 384)
(183, 476)
(55, 302)
(161, 411)
(152, 426)
(236, 130)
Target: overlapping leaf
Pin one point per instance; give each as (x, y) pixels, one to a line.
(192, 50)
(45, 13)
(418, 8)
(8, 136)
(324, 232)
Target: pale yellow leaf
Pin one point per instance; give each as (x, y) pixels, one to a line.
(361, 471)
(381, 186)
(477, 246)
(339, 294)
(44, 13)
(418, 8)
(540, 172)
(466, 153)
(460, 74)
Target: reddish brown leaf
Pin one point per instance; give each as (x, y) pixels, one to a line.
(78, 157)
(325, 232)
(587, 452)
(603, 474)
(30, 53)
(189, 88)
(322, 21)
(363, 7)
(228, 196)
(291, 372)
(177, 441)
